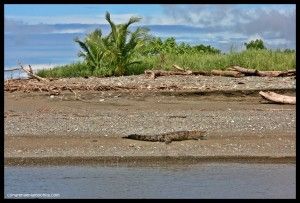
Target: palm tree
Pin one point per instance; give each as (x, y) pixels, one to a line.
(123, 44)
(93, 49)
(115, 51)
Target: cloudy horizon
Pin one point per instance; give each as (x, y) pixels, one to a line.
(32, 31)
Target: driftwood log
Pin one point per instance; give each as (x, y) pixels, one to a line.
(278, 98)
(253, 72)
(227, 73)
(235, 71)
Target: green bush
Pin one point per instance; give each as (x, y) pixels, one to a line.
(114, 53)
(257, 44)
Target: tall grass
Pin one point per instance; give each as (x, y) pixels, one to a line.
(256, 59)
(78, 69)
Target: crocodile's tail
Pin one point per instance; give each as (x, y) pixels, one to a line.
(140, 137)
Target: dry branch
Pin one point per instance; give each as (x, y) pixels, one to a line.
(178, 68)
(247, 72)
(31, 74)
(278, 98)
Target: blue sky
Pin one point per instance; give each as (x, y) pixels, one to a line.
(44, 33)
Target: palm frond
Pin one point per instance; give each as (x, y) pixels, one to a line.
(82, 45)
(112, 25)
(132, 20)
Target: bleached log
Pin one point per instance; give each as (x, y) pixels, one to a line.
(278, 98)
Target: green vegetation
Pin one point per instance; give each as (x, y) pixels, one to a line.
(114, 53)
(155, 46)
(257, 44)
(125, 52)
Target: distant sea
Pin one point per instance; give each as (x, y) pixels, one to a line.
(45, 46)
(39, 50)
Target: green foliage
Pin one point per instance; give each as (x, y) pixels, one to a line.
(113, 54)
(156, 46)
(257, 44)
(123, 44)
(93, 49)
(257, 59)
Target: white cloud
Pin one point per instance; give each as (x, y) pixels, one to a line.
(68, 31)
(69, 19)
(277, 42)
(254, 37)
(274, 24)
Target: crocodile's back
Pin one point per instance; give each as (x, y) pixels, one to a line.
(184, 135)
(169, 137)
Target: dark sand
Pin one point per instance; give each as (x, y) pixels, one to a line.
(241, 127)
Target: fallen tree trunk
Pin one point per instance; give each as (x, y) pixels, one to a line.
(278, 98)
(228, 73)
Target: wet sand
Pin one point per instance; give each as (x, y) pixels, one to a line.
(43, 129)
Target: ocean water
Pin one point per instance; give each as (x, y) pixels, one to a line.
(39, 50)
(206, 180)
(44, 46)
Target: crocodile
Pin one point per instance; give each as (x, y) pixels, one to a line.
(170, 136)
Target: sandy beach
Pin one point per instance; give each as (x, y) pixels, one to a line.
(41, 128)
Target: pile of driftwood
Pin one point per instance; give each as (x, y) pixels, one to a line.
(235, 71)
(43, 84)
(29, 71)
